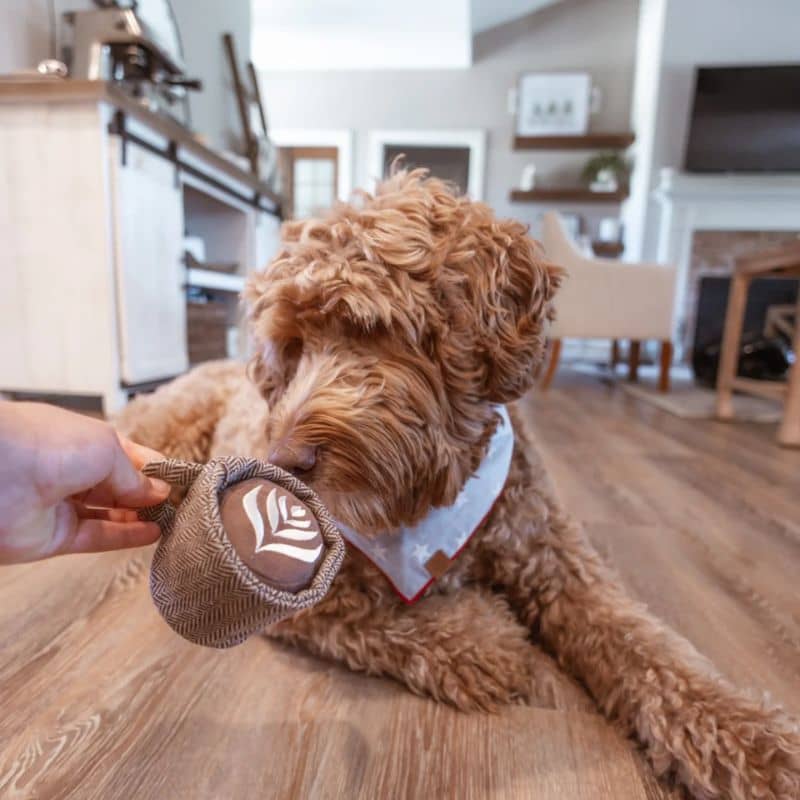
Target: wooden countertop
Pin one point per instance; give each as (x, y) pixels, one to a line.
(59, 90)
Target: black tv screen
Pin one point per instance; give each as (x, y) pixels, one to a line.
(745, 119)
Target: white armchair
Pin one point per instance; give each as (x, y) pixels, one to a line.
(605, 299)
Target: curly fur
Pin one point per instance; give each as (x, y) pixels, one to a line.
(384, 332)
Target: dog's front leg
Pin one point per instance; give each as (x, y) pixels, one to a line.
(720, 742)
(466, 649)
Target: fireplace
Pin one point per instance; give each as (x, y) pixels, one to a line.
(712, 258)
(707, 221)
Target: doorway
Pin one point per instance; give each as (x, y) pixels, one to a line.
(310, 180)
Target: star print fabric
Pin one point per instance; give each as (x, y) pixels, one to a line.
(403, 556)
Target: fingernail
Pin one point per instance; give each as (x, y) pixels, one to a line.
(160, 487)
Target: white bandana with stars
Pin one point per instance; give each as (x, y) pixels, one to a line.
(403, 556)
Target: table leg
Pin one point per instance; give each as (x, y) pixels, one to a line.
(665, 363)
(614, 354)
(633, 361)
(729, 358)
(789, 432)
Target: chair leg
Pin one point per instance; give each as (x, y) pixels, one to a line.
(614, 354)
(666, 363)
(633, 361)
(552, 366)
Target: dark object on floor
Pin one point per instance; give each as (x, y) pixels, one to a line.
(760, 359)
(762, 355)
(712, 303)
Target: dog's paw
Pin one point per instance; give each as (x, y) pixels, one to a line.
(744, 751)
(771, 755)
(474, 675)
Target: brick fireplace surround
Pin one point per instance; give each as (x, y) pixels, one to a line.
(707, 221)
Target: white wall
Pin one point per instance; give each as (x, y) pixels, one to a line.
(708, 32)
(25, 31)
(593, 35)
(201, 24)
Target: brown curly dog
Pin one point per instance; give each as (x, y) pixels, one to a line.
(384, 333)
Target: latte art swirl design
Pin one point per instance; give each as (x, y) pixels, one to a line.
(282, 522)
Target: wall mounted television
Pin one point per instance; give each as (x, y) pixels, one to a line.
(745, 119)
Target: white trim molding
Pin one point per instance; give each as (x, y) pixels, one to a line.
(341, 139)
(474, 139)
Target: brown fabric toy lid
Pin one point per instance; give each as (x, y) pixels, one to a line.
(200, 584)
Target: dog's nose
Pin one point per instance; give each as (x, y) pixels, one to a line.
(294, 458)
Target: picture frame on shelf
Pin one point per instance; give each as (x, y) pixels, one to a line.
(553, 103)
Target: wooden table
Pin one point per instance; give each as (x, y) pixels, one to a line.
(783, 262)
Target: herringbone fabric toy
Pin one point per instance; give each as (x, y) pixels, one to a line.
(199, 581)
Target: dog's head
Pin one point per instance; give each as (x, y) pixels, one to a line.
(384, 334)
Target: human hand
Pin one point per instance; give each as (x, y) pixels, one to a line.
(70, 484)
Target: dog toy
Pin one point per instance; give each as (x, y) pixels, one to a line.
(247, 546)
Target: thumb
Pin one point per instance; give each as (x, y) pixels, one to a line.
(130, 488)
(125, 486)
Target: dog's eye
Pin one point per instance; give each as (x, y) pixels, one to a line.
(280, 358)
(291, 357)
(294, 349)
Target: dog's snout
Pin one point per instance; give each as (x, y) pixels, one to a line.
(295, 458)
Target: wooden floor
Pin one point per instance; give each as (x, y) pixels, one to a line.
(98, 699)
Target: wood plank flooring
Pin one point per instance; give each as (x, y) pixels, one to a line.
(98, 699)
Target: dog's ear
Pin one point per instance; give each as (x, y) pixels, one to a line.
(354, 272)
(512, 287)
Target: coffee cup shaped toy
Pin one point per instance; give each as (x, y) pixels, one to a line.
(247, 546)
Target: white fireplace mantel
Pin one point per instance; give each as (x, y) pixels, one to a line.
(694, 202)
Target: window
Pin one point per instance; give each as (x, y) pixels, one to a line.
(310, 177)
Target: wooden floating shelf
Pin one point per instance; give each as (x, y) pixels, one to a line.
(567, 194)
(587, 141)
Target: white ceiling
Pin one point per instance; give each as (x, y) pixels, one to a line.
(491, 13)
(364, 34)
(361, 34)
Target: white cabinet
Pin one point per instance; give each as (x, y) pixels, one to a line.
(147, 202)
(96, 195)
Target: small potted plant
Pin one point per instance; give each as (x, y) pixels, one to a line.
(606, 172)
